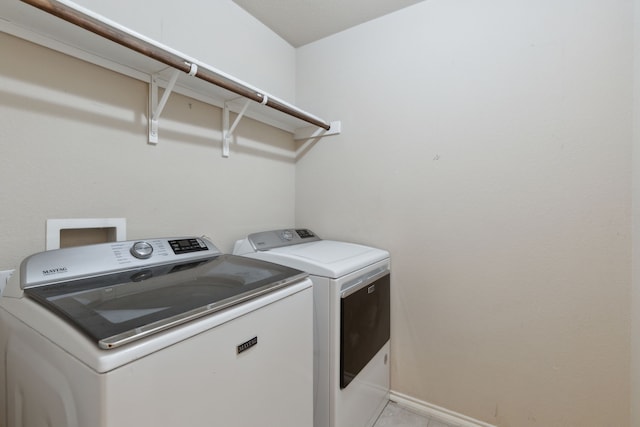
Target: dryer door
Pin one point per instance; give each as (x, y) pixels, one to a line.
(364, 323)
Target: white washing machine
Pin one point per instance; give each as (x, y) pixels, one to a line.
(162, 332)
(351, 293)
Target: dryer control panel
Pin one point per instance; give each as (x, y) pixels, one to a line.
(266, 240)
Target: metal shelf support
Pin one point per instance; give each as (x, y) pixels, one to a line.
(155, 107)
(227, 131)
(313, 132)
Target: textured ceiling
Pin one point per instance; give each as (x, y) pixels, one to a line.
(303, 21)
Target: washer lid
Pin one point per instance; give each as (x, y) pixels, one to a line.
(129, 305)
(325, 258)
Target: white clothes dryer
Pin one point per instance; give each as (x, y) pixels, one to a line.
(351, 295)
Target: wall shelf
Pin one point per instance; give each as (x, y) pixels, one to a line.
(110, 45)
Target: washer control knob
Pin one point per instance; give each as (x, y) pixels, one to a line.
(141, 250)
(287, 235)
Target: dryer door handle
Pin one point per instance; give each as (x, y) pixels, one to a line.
(361, 282)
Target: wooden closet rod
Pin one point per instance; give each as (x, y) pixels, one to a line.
(172, 59)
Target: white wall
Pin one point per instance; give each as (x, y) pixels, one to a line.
(73, 144)
(487, 145)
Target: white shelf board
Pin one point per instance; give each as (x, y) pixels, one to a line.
(29, 23)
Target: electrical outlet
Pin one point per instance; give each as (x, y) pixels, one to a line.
(4, 277)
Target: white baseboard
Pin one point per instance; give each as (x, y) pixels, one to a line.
(436, 412)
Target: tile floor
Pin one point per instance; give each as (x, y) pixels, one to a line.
(396, 416)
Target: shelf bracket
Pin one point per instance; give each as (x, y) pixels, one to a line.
(155, 107)
(227, 131)
(313, 132)
(310, 135)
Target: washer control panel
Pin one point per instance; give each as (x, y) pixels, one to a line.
(266, 240)
(92, 260)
